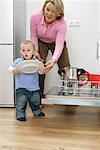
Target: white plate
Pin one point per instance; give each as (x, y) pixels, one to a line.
(29, 66)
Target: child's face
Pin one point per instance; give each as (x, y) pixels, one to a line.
(27, 51)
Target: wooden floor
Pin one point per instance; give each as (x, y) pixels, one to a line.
(63, 128)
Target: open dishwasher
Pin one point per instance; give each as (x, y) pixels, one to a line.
(79, 88)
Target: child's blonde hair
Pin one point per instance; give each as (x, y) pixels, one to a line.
(23, 43)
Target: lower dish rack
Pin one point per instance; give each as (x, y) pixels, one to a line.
(73, 92)
(79, 88)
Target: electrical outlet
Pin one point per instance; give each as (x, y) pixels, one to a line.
(74, 23)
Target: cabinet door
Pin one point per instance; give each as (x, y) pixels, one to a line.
(6, 21)
(6, 78)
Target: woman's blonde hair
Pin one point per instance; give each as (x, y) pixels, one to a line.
(59, 8)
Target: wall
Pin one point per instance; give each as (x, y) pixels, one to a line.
(99, 20)
(82, 35)
(19, 24)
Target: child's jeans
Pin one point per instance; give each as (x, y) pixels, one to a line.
(22, 97)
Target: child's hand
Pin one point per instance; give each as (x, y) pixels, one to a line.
(12, 70)
(42, 70)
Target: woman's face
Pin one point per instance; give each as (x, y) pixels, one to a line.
(49, 13)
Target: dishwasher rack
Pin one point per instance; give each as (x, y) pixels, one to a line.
(79, 88)
(74, 92)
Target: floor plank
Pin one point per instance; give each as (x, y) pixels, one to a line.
(63, 128)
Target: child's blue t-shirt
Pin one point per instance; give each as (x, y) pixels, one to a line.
(29, 81)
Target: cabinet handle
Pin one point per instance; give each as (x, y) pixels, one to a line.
(97, 51)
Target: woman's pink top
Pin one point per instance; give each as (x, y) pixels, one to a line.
(54, 32)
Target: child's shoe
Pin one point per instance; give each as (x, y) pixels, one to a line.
(21, 119)
(40, 114)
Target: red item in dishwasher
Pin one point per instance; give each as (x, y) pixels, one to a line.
(94, 78)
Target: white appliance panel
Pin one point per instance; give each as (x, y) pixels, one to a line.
(6, 78)
(6, 21)
(12, 32)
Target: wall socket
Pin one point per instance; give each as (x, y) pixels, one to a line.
(74, 23)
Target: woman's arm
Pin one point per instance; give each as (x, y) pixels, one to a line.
(34, 36)
(59, 44)
(33, 32)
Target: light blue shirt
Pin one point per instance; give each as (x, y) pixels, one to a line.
(29, 81)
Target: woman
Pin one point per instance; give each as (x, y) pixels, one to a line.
(48, 29)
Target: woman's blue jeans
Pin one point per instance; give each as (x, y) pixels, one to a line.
(22, 97)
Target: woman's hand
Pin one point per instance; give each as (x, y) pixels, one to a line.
(49, 65)
(36, 53)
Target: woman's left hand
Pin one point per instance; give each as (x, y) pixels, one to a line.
(49, 65)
